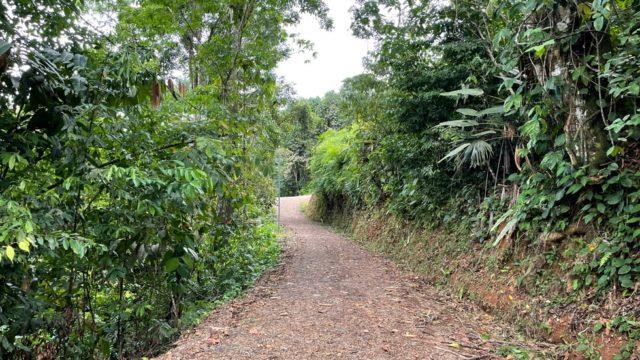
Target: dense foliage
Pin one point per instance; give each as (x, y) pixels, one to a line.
(516, 118)
(136, 166)
(301, 123)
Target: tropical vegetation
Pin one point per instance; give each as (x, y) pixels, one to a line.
(143, 144)
(512, 124)
(137, 145)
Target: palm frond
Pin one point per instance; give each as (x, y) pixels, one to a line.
(453, 153)
(484, 133)
(478, 153)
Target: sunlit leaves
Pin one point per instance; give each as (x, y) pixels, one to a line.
(9, 252)
(455, 152)
(540, 50)
(16, 228)
(476, 153)
(103, 194)
(463, 93)
(11, 160)
(459, 123)
(564, 112)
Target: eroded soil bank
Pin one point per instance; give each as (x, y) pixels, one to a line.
(526, 286)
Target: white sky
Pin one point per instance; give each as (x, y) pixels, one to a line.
(339, 54)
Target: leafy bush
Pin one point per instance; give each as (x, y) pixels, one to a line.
(333, 165)
(116, 219)
(130, 198)
(542, 131)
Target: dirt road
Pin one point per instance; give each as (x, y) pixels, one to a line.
(331, 299)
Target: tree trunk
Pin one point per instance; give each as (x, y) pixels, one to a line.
(585, 137)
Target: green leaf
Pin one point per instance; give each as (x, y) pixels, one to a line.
(458, 123)
(28, 226)
(24, 245)
(492, 111)
(603, 280)
(559, 195)
(4, 47)
(624, 270)
(77, 247)
(614, 199)
(468, 112)
(597, 327)
(10, 252)
(598, 23)
(513, 102)
(618, 262)
(542, 48)
(463, 92)
(455, 152)
(626, 282)
(484, 133)
(587, 218)
(576, 284)
(574, 188)
(171, 265)
(614, 151)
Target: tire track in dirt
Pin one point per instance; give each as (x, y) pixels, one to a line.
(331, 299)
